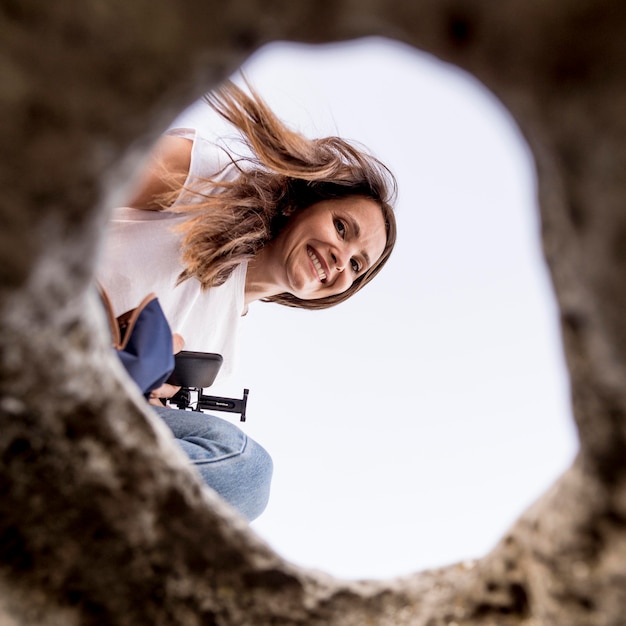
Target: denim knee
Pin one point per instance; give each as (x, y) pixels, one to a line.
(230, 462)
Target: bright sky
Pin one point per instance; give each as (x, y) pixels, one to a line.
(413, 424)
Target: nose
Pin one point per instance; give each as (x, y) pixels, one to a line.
(340, 259)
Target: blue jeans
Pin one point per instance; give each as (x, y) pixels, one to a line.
(231, 463)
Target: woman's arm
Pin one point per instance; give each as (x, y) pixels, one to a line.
(167, 167)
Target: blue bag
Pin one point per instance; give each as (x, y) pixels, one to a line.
(142, 339)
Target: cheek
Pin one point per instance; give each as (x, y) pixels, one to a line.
(343, 284)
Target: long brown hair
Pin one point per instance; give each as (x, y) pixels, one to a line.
(231, 219)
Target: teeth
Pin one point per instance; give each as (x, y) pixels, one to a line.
(318, 266)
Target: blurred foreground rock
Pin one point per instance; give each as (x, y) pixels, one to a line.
(100, 521)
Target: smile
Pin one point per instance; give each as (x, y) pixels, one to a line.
(316, 263)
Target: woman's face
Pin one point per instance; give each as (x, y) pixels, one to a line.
(324, 248)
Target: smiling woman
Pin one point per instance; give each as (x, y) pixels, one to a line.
(301, 222)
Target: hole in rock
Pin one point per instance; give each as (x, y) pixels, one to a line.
(411, 425)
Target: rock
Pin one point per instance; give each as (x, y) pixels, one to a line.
(100, 520)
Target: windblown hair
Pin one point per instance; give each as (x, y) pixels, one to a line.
(231, 219)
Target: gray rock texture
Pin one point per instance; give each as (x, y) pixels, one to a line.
(100, 522)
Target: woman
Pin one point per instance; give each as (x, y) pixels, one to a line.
(300, 222)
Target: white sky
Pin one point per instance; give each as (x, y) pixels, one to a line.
(411, 425)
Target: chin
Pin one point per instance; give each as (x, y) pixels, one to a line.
(307, 295)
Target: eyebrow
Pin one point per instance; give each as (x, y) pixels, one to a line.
(357, 231)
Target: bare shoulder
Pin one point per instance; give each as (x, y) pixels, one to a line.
(168, 162)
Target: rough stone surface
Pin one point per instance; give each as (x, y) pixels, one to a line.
(100, 522)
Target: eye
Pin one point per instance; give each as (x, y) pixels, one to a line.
(341, 228)
(356, 266)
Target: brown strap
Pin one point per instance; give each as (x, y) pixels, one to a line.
(113, 325)
(122, 326)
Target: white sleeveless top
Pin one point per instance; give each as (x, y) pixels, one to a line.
(142, 255)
